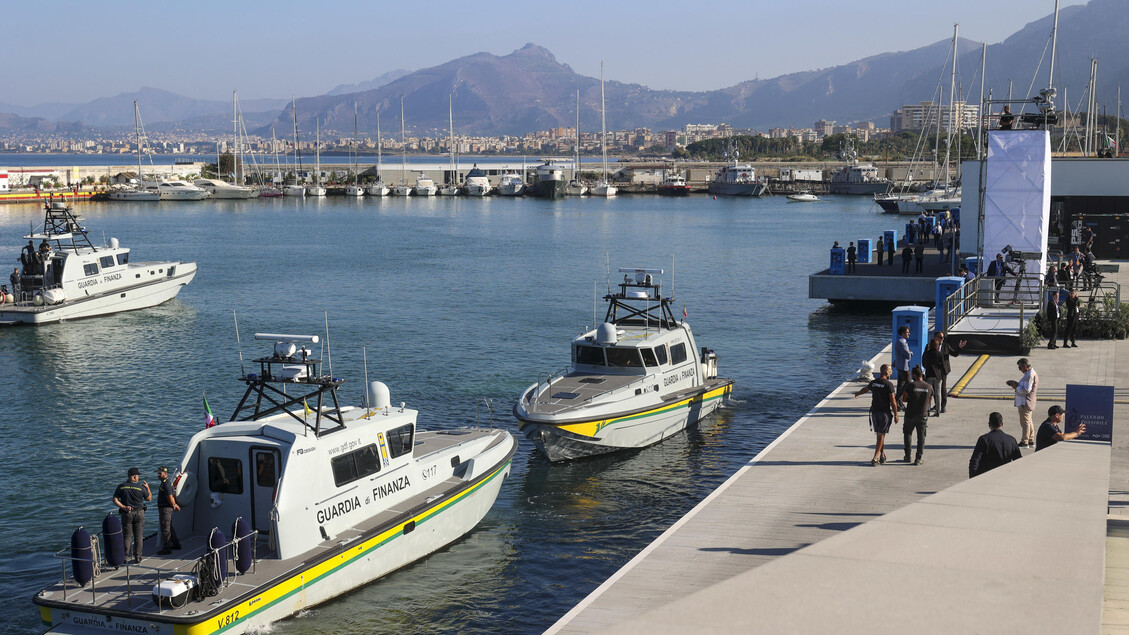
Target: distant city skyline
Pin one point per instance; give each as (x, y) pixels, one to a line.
(72, 51)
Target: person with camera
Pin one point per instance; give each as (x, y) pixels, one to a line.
(999, 270)
(130, 498)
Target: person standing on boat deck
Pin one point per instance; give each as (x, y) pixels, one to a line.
(1026, 400)
(916, 396)
(882, 407)
(993, 449)
(130, 499)
(166, 505)
(852, 257)
(902, 356)
(1007, 120)
(1071, 320)
(15, 280)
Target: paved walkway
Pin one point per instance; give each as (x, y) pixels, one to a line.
(814, 483)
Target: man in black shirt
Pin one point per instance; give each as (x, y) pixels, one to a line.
(882, 407)
(166, 505)
(852, 257)
(1049, 432)
(130, 499)
(916, 395)
(993, 448)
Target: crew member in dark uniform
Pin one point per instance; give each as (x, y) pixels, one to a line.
(1007, 120)
(166, 505)
(882, 407)
(130, 498)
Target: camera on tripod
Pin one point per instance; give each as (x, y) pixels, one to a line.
(1020, 258)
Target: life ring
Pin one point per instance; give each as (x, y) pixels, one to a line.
(184, 487)
(3, 297)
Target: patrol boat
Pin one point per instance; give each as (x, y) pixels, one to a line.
(634, 380)
(75, 279)
(320, 498)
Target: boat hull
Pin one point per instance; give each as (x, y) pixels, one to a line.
(351, 565)
(548, 189)
(674, 190)
(857, 189)
(234, 193)
(119, 300)
(737, 189)
(561, 441)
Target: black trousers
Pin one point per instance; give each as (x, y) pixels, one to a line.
(890, 255)
(168, 534)
(911, 424)
(935, 382)
(1052, 339)
(1071, 330)
(133, 531)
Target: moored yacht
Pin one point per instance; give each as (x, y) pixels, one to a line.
(177, 190)
(477, 183)
(425, 186)
(75, 279)
(222, 189)
(634, 380)
(511, 184)
(736, 180)
(293, 502)
(548, 181)
(674, 185)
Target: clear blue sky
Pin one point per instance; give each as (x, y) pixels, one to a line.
(76, 51)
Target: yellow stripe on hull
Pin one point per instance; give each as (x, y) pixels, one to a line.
(592, 428)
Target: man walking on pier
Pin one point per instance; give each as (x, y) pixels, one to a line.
(882, 407)
(1025, 400)
(993, 448)
(916, 396)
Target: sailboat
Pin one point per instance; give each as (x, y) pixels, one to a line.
(317, 189)
(402, 188)
(217, 186)
(272, 191)
(295, 188)
(576, 187)
(137, 192)
(355, 189)
(451, 188)
(377, 187)
(603, 188)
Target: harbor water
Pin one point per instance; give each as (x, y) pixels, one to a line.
(454, 301)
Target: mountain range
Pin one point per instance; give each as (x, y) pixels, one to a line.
(529, 89)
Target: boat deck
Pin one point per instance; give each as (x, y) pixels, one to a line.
(127, 590)
(576, 389)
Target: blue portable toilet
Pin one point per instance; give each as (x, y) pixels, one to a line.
(954, 213)
(973, 264)
(946, 286)
(838, 260)
(890, 237)
(917, 319)
(864, 250)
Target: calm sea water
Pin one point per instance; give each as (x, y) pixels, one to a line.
(453, 300)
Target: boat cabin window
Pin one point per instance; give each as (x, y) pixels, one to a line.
(264, 470)
(660, 353)
(225, 475)
(624, 357)
(400, 440)
(590, 355)
(90, 269)
(123, 257)
(648, 357)
(678, 353)
(106, 261)
(355, 465)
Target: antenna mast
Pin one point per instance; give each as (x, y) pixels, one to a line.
(328, 347)
(238, 344)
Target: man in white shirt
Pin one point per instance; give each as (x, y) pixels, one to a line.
(1025, 400)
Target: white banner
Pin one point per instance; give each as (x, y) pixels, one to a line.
(1017, 196)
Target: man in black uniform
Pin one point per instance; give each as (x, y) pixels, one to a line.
(852, 257)
(1052, 320)
(917, 395)
(1071, 320)
(130, 498)
(166, 505)
(882, 407)
(993, 448)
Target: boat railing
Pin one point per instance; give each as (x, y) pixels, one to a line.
(99, 565)
(546, 379)
(488, 404)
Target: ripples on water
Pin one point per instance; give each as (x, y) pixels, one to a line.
(453, 300)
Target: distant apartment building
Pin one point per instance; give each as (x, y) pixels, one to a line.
(924, 115)
(824, 128)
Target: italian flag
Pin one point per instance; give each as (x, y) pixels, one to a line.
(210, 420)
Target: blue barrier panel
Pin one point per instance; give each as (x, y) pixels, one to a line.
(864, 250)
(890, 237)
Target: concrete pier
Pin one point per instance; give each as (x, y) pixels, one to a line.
(808, 537)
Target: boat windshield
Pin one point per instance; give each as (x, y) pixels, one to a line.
(624, 357)
(593, 355)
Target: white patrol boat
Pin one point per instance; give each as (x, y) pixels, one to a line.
(72, 278)
(634, 380)
(319, 499)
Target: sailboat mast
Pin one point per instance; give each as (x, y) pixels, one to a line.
(451, 122)
(356, 177)
(603, 125)
(379, 160)
(137, 135)
(1054, 43)
(952, 107)
(235, 139)
(576, 165)
(297, 149)
(403, 147)
(317, 151)
(980, 110)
